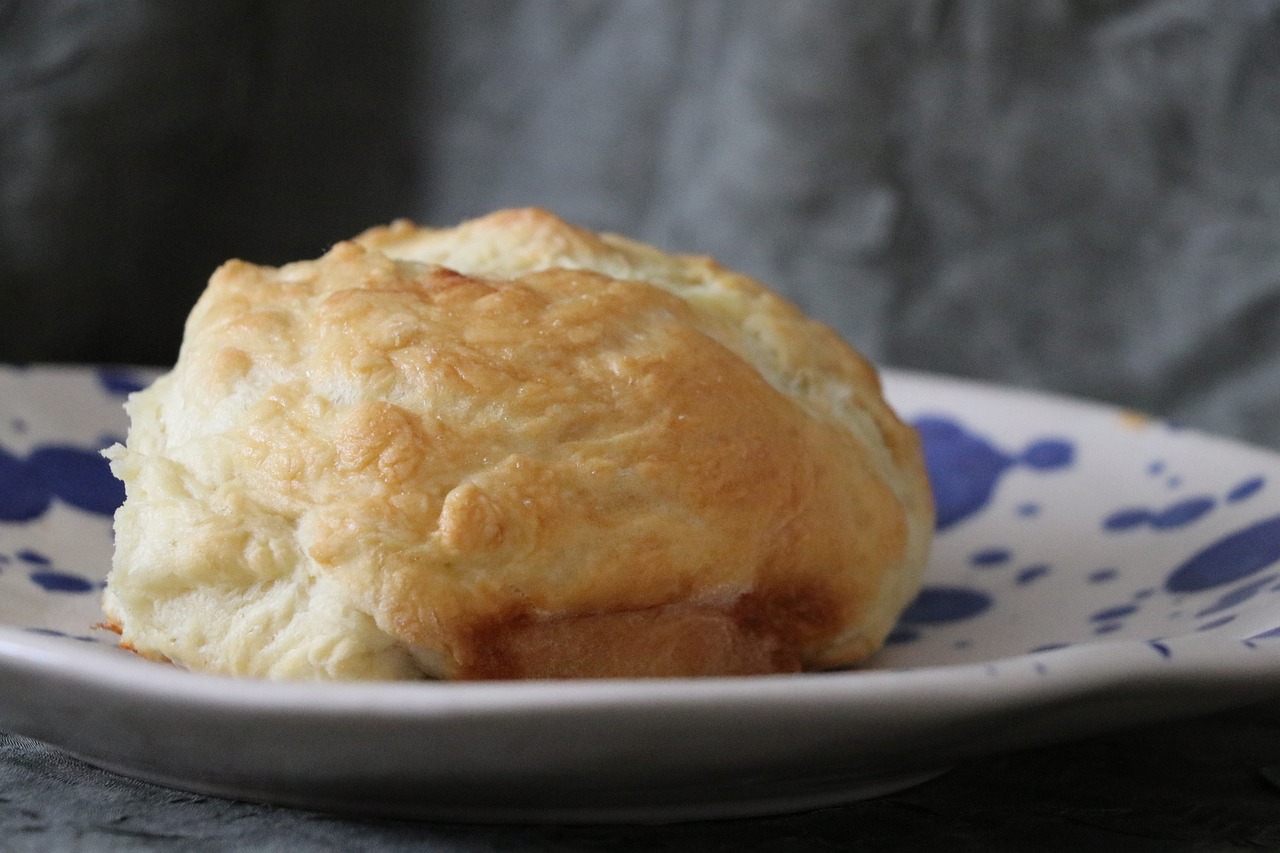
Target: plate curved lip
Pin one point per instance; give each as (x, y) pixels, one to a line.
(1188, 661)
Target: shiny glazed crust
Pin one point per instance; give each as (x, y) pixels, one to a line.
(511, 449)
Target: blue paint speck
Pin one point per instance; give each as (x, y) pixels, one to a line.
(1118, 612)
(1245, 490)
(35, 558)
(1239, 555)
(1236, 596)
(78, 476)
(1182, 513)
(52, 581)
(1031, 574)
(46, 632)
(24, 495)
(1048, 454)
(938, 604)
(1216, 623)
(965, 468)
(1175, 515)
(120, 382)
(1028, 510)
(900, 635)
(1164, 650)
(1125, 519)
(990, 557)
(1103, 575)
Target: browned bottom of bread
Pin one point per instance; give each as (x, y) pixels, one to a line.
(667, 641)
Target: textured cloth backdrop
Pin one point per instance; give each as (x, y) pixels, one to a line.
(1079, 196)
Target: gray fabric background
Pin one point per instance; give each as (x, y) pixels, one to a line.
(1075, 195)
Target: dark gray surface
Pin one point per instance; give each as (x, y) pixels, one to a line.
(1200, 785)
(1081, 196)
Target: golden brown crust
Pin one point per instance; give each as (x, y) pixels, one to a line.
(512, 449)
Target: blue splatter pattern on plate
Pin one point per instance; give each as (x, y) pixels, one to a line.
(1062, 522)
(57, 495)
(1059, 522)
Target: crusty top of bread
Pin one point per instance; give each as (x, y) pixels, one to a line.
(513, 448)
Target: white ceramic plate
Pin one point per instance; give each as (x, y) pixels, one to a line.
(1093, 569)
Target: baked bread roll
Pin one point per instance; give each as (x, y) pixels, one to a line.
(511, 449)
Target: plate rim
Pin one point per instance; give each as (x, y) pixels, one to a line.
(1206, 671)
